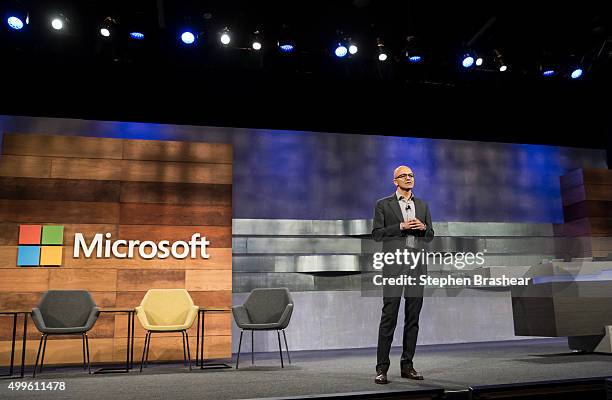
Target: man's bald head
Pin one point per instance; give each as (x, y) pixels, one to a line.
(403, 177)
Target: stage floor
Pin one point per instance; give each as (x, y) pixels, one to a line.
(453, 367)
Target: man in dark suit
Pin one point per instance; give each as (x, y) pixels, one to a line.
(401, 221)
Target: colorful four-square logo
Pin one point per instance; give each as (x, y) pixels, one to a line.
(40, 245)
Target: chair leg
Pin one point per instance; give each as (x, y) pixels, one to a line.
(188, 352)
(280, 349)
(87, 347)
(144, 350)
(287, 347)
(239, 345)
(84, 359)
(42, 337)
(42, 359)
(184, 350)
(148, 347)
(252, 348)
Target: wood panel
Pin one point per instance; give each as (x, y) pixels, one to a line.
(62, 146)
(208, 280)
(588, 227)
(214, 299)
(59, 189)
(164, 347)
(68, 351)
(177, 151)
(220, 299)
(28, 300)
(588, 176)
(41, 211)
(88, 279)
(25, 166)
(24, 279)
(169, 214)
(9, 233)
(588, 209)
(8, 256)
(218, 236)
(145, 279)
(215, 324)
(141, 190)
(219, 259)
(155, 171)
(176, 193)
(86, 168)
(589, 192)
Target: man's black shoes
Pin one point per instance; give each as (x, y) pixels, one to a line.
(410, 373)
(381, 377)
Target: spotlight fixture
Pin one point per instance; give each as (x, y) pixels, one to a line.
(479, 61)
(107, 26)
(225, 36)
(499, 61)
(59, 22)
(353, 49)
(137, 35)
(382, 52)
(256, 41)
(188, 37)
(16, 21)
(412, 51)
(467, 61)
(341, 50)
(576, 73)
(285, 42)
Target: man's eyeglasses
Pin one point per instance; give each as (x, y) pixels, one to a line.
(404, 176)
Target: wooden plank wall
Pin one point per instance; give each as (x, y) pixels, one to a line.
(587, 209)
(134, 189)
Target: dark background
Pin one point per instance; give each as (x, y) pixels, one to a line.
(77, 74)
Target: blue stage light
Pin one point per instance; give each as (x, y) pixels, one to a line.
(415, 59)
(286, 47)
(341, 51)
(137, 35)
(15, 23)
(577, 73)
(468, 61)
(188, 37)
(548, 72)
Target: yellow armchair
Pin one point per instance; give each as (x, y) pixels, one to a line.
(166, 310)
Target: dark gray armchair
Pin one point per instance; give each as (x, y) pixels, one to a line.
(65, 312)
(264, 310)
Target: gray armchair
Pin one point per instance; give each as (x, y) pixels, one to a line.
(65, 312)
(264, 310)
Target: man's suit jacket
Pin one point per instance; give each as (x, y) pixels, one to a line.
(387, 219)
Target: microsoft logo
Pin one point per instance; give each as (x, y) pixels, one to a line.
(40, 245)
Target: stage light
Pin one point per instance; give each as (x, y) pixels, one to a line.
(412, 50)
(14, 23)
(353, 49)
(479, 61)
(137, 35)
(548, 72)
(256, 40)
(415, 59)
(499, 61)
(382, 51)
(225, 37)
(256, 45)
(188, 37)
(286, 46)
(576, 73)
(57, 24)
(341, 51)
(107, 26)
(468, 61)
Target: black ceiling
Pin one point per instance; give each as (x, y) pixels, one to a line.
(77, 74)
